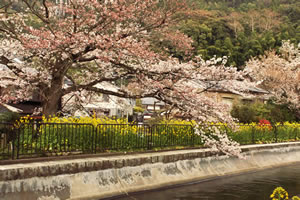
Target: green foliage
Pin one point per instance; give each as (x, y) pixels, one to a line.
(244, 113)
(281, 113)
(213, 31)
(9, 117)
(247, 113)
(261, 26)
(138, 109)
(54, 138)
(61, 136)
(256, 133)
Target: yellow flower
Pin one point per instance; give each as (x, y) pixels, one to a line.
(279, 193)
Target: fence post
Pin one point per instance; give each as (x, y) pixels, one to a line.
(150, 138)
(276, 134)
(15, 142)
(94, 143)
(14, 134)
(252, 135)
(193, 135)
(18, 139)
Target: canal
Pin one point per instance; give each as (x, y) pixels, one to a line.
(252, 186)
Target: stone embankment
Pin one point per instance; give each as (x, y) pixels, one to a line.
(100, 177)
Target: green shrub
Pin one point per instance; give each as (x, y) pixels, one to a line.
(245, 113)
(253, 112)
(9, 117)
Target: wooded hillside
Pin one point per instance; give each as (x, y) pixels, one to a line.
(240, 29)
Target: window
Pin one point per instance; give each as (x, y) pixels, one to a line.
(247, 100)
(228, 101)
(105, 98)
(150, 107)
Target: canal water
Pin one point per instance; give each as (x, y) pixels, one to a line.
(252, 186)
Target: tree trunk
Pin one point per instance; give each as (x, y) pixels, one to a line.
(51, 105)
(52, 97)
(252, 24)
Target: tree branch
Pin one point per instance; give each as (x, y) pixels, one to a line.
(122, 93)
(36, 13)
(46, 9)
(91, 84)
(6, 6)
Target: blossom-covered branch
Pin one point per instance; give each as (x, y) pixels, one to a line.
(280, 74)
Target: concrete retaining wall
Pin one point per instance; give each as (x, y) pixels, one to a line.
(96, 178)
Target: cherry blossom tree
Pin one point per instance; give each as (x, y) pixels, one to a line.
(91, 41)
(96, 41)
(280, 74)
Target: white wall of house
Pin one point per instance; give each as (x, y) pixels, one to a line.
(103, 104)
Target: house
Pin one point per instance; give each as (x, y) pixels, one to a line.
(220, 92)
(152, 106)
(26, 107)
(99, 104)
(254, 94)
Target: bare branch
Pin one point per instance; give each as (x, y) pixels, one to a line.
(46, 9)
(36, 13)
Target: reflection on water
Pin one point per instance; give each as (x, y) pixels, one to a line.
(252, 186)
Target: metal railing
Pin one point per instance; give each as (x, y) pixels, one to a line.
(8, 136)
(258, 134)
(54, 139)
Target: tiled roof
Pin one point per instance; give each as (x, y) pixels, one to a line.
(152, 101)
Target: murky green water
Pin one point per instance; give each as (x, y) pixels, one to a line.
(253, 186)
